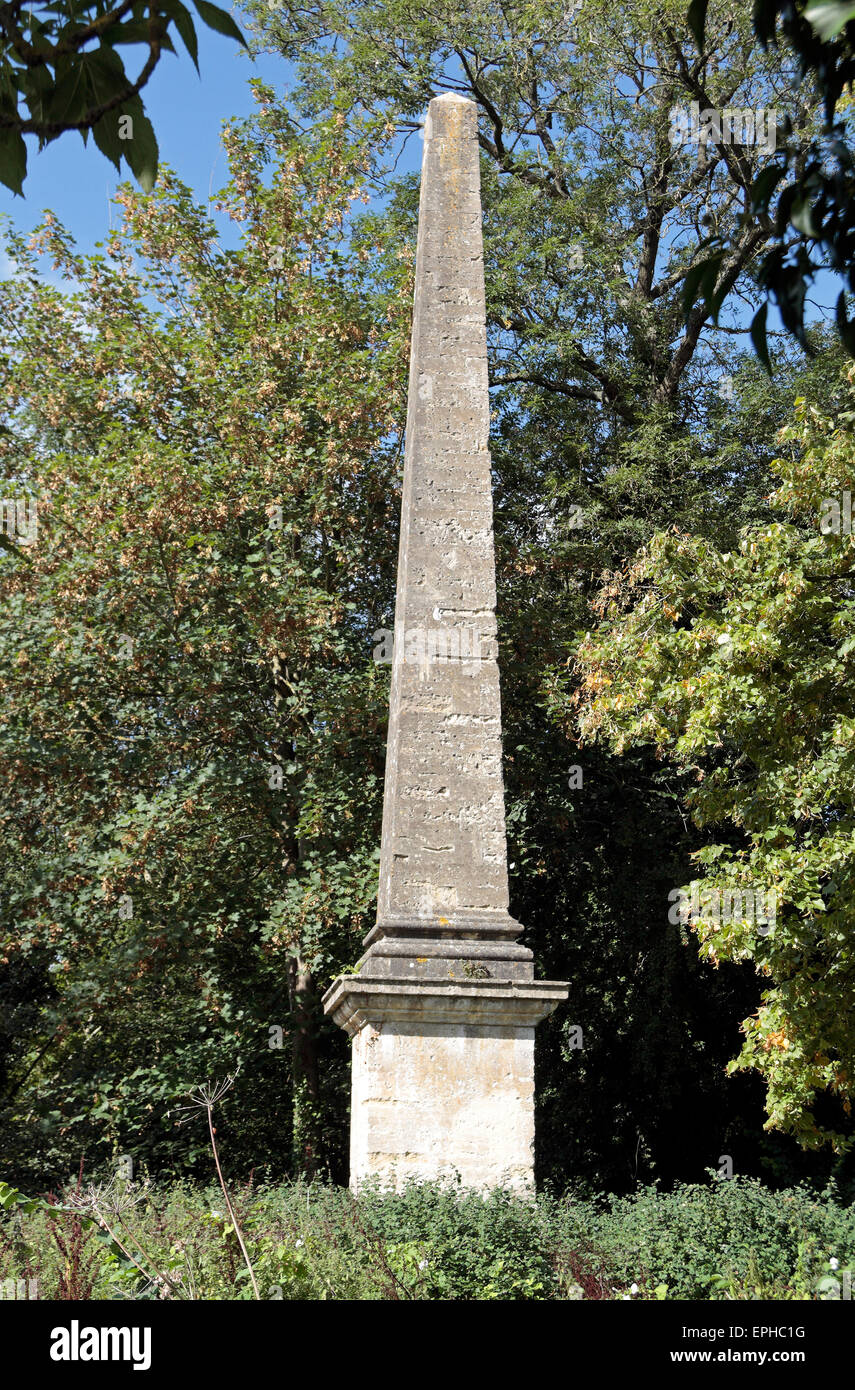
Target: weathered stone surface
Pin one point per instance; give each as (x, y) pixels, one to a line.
(474, 1121)
(435, 757)
(456, 999)
(443, 1008)
(443, 1079)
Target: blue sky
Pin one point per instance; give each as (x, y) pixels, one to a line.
(77, 182)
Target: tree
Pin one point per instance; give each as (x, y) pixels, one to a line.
(190, 714)
(611, 420)
(590, 864)
(813, 214)
(597, 212)
(63, 65)
(736, 666)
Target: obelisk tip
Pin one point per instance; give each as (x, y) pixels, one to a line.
(451, 116)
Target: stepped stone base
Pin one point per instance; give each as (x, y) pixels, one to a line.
(443, 1078)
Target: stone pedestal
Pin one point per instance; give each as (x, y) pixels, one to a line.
(443, 1008)
(443, 1078)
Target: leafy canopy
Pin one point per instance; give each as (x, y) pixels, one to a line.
(190, 708)
(737, 666)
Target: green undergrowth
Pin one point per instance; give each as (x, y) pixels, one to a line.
(718, 1240)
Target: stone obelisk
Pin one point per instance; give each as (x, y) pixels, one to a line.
(443, 1008)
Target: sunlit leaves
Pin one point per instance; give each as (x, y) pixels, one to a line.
(738, 666)
(214, 451)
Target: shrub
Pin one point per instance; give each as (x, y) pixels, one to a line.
(734, 1236)
(306, 1241)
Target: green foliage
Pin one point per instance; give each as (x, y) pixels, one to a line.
(733, 1238)
(727, 1239)
(607, 401)
(805, 196)
(736, 666)
(186, 675)
(33, 1236)
(46, 66)
(463, 1245)
(594, 219)
(164, 646)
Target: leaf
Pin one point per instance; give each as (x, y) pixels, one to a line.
(141, 151)
(700, 283)
(828, 17)
(764, 185)
(105, 133)
(764, 19)
(845, 326)
(186, 28)
(696, 20)
(758, 336)
(67, 102)
(217, 19)
(134, 31)
(801, 216)
(13, 160)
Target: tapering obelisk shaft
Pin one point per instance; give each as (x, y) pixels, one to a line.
(443, 847)
(443, 1007)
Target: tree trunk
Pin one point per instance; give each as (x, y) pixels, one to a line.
(306, 1125)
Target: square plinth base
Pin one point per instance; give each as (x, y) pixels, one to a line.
(443, 1079)
(455, 1102)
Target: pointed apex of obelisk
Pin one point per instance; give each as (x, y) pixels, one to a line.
(443, 851)
(452, 118)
